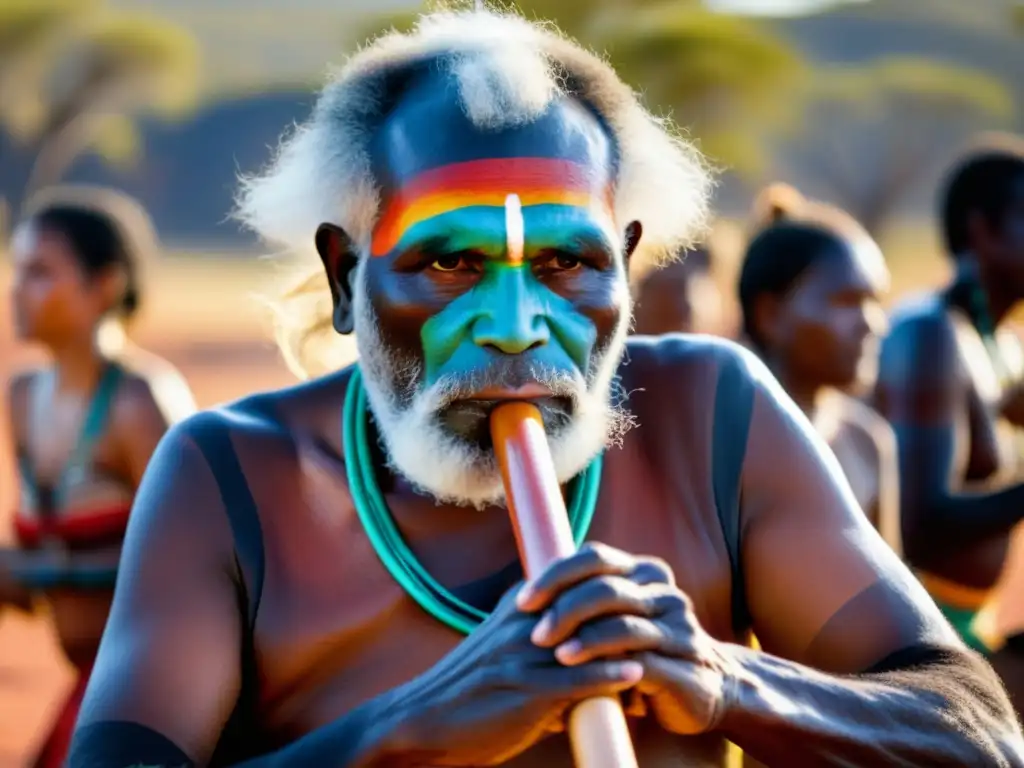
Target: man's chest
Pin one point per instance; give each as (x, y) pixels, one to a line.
(335, 628)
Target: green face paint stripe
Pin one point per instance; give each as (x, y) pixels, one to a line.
(500, 294)
(484, 228)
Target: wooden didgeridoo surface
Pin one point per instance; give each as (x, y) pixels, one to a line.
(597, 727)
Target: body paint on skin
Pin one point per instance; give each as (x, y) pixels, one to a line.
(483, 183)
(511, 311)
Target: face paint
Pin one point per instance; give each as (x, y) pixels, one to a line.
(496, 262)
(419, 208)
(510, 311)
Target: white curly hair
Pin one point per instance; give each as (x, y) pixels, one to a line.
(507, 71)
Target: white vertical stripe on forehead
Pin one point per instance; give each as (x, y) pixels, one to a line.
(515, 235)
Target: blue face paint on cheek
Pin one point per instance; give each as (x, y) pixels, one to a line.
(510, 309)
(508, 312)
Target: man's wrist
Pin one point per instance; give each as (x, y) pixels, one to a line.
(737, 684)
(383, 735)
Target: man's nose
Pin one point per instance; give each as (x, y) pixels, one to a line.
(514, 320)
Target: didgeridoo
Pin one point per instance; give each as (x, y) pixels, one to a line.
(597, 727)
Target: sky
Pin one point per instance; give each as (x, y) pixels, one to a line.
(775, 7)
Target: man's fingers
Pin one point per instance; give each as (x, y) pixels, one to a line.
(598, 678)
(611, 638)
(588, 601)
(590, 561)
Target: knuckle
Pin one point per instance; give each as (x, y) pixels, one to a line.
(604, 589)
(609, 629)
(593, 551)
(673, 601)
(587, 674)
(654, 569)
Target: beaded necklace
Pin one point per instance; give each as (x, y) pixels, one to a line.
(387, 540)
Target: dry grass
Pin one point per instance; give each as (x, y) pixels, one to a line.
(201, 315)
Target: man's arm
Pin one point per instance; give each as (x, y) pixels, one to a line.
(859, 668)
(168, 672)
(922, 391)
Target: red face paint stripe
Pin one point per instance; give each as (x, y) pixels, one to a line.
(537, 181)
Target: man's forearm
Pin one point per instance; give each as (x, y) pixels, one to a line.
(920, 707)
(361, 739)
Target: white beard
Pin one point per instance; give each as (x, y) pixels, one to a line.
(451, 469)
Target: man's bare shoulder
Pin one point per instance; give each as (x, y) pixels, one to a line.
(268, 425)
(676, 359)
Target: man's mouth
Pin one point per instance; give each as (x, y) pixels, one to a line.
(469, 416)
(524, 392)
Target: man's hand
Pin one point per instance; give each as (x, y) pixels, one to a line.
(496, 694)
(603, 603)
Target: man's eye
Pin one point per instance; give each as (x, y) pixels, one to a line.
(558, 262)
(566, 262)
(447, 263)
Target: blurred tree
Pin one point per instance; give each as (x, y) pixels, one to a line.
(116, 65)
(728, 79)
(30, 33)
(899, 117)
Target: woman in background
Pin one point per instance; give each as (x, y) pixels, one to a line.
(809, 291)
(85, 426)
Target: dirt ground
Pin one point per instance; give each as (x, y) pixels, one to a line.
(201, 315)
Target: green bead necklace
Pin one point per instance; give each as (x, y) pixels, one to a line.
(385, 537)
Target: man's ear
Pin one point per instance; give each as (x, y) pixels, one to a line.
(340, 260)
(630, 240)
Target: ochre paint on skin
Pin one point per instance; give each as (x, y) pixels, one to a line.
(510, 309)
(483, 183)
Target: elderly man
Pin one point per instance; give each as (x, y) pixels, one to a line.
(325, 575)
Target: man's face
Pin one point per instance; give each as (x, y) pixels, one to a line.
(495, 272)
